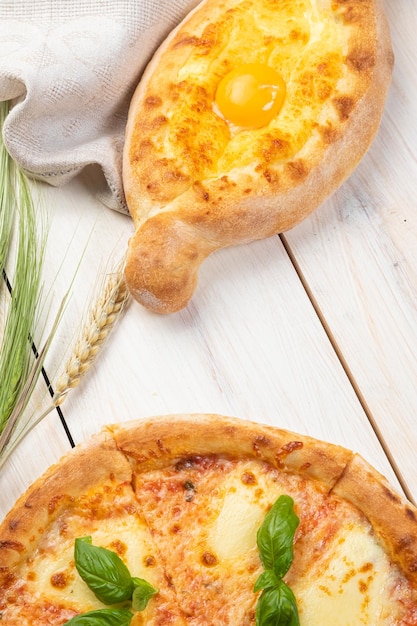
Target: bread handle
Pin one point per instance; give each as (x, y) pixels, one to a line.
(163, 260)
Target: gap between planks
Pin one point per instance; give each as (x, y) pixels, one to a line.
(45, 376)
(346, 368)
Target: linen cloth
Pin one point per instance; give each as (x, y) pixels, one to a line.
(70, 68)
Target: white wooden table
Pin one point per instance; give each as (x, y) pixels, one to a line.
(314, 331)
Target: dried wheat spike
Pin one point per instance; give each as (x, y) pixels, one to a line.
(101, 320)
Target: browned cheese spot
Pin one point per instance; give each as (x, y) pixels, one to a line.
(208, 559)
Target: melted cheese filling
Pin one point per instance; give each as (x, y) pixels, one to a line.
(301, 40)
(56, 575)
(195, 526)
(352, 583)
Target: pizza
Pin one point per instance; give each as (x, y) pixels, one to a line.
(249, 116)
(181, 502)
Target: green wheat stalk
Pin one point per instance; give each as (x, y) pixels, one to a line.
(104, 312)
(20, 365)
(18, 213)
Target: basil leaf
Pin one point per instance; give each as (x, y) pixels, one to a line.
(142, 593)
(102, 617)
(276, 535)
(277, 607)
(103, 571)
(266, 579)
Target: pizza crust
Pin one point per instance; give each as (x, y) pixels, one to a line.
(158, 441)
(392, 517)
(92, 464)
(180, 217)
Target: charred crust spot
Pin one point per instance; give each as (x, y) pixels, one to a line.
(145, 144)
(13, 524)
(195, 42)
(160, 444)
(391, 495)
(201, 191)
(297, 169)
(274, 148)
(176, 176)
(410, 514)
(7, 578)
(152, 102)
(344, 106)
(291, 446)
(405, 542)
(286, 450)
(329, 134)
(361, 59)
(270, 176)
(225, 183)
(186, 41)
(54, 503)
(351, 14)
(168, 579)
(8, 544)
(208, 559)
(158, 121)
(262, 441)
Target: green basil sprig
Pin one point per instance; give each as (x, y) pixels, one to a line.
(108, 577)
(142, 593)
(276, 605)
(103, 571)
(102, 617)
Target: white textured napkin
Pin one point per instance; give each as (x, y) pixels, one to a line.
(70, 68)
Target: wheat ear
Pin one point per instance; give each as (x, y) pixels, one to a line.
(101, 320)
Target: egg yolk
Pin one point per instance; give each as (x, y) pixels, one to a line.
(251, 95)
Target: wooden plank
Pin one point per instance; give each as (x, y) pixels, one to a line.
(358, 256)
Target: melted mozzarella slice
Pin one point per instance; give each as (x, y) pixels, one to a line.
(351, 582)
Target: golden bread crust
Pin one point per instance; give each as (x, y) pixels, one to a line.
(154, 443)
(193, 184)
(393, 519)
(121, 451)
(92, 464)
